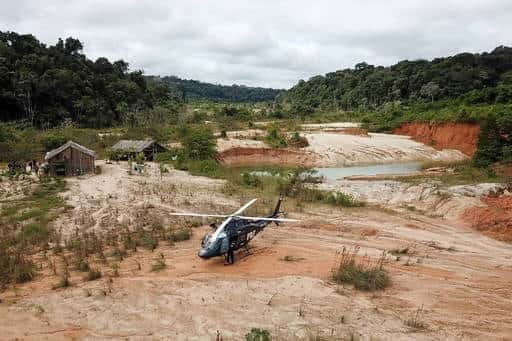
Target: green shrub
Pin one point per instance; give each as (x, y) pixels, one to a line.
(208, 168)
(364, 276)
(63, 283)
(251, 180)
(274, 138)
(34, 233)
(82, 265)
(148, 241)
(199, 144)
(298, 141)
(159, 265)
(92, 275)
(257, 334)
(165, 157)
(341, 199)
(180, 235)
(53, 140)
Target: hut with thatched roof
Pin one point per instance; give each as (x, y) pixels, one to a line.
(126, 149)
(70, 159)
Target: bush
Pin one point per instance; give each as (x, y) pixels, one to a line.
(298, 141)
(364, 276)
(115, 155)
(82, 265)
(63, 283)
(257, 334)
(274, 138)
(34, 233)
(53, 140)
(251, 180)
(92, 275)
(158, 266)
(199, 144)
(341, 199)
(165, 157)
(180, 235)
(208, 168)
(148, 241)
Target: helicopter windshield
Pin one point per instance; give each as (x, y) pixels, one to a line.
(206, 239)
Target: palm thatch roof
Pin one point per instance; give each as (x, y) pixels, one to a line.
(69, 144)
(133, 145)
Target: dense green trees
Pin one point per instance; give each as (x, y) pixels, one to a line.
(195, 90)
(369, 87)
(46, 85)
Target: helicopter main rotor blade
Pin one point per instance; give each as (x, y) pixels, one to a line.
(221, 228)
(243, 208)
(268, 219)
(187, 214)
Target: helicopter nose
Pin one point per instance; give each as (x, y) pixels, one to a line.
(203, 253)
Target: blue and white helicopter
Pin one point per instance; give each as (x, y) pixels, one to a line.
(235, 231)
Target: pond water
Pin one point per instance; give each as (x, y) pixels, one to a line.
(334, 173)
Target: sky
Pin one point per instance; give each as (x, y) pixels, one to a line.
(262, 42)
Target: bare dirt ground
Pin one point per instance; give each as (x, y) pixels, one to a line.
(334, 149)
(461, 278)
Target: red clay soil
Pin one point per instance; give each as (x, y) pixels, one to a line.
(240, 156)
(494, 220)
(460, 136)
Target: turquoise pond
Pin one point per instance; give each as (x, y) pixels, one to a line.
(335, 173)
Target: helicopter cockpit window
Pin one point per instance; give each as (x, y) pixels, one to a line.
(206, 239)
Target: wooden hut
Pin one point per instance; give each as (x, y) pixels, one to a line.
(130, 148)
(70, 159)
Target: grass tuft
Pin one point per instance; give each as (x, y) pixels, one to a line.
(365, 276)
(159, 265)
(92, 275)
(180, 235)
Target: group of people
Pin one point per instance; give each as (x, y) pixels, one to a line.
(31, 166)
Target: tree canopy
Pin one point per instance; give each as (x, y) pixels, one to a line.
(369, 87)
(46, 85)
(196, 90)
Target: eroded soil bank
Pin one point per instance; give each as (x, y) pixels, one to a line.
(459, 136)
(334, 150)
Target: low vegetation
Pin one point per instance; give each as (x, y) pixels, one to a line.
(92, 275)
(257, 334)
(159, 265)
(416, 320)
(25, 228)
(364, 274)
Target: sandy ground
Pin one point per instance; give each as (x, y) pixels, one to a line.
(346, 150)
(341, 149)
(431, 197)
(462, 278)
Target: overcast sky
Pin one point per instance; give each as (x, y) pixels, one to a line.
(262, 42)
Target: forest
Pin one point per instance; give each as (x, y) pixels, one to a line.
(196, 90)
(46, 85)
(485, 77)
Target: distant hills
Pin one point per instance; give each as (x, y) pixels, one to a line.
(486, 77)
(196, 90)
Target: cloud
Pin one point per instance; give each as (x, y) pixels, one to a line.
(264, 43)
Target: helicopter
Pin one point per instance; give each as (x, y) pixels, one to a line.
(235, 231)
